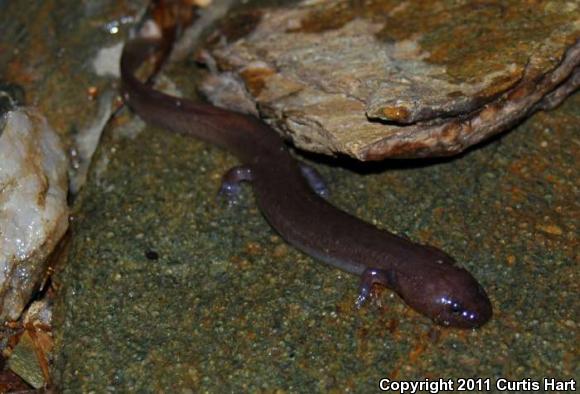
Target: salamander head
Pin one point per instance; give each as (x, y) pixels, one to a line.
(448, 294)
(459, 301)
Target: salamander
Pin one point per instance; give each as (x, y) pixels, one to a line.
(426, 278)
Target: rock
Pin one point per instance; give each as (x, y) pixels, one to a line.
(65, 58)
(11, 96)
(24, 363)
(40, 314)
(30, 358)
(33, 207)
(399, 79)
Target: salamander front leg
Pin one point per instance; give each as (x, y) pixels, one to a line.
(370, 277)
(231, 183)
(315, 180)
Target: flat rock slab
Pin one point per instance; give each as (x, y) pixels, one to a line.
(391, 79)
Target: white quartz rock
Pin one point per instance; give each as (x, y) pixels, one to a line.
(33, 207)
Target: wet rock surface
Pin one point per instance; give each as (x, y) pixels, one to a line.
(382, 79)
(63, 55)
(33, 205)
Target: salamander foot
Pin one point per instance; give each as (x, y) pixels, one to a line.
(315, 180)
(231, 183)
(370, 277)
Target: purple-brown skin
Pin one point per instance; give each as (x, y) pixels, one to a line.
(426, 278)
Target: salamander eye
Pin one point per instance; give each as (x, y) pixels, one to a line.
(456, 308)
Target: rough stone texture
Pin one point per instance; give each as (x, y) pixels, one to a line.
(33, 205)
(30, 358)
(44, 47)
(400, 79)
(24, 362)
(64, 55)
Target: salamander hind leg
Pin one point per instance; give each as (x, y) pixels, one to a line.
(231, 183)
(315, 180)
(370, 277)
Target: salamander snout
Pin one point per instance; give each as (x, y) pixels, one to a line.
(449, 295)
(459, 301)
